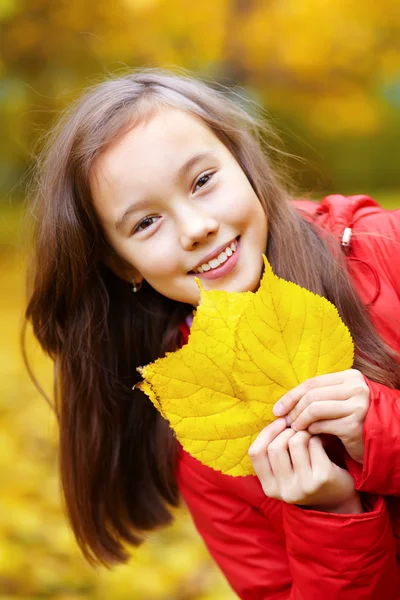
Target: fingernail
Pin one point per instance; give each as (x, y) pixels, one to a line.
(278, 410)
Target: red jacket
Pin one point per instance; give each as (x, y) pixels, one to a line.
(269, 549)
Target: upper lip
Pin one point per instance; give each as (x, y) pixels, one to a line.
(213, 254)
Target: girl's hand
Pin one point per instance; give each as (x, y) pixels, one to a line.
(337, 404)
(295, 468)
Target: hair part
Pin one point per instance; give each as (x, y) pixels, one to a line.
(118, 457)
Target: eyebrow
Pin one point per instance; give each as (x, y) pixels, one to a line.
(182, 172)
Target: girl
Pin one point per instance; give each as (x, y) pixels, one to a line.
(148, 179)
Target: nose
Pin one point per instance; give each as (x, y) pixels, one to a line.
(196, 227)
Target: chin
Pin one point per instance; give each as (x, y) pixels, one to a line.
(250, 284)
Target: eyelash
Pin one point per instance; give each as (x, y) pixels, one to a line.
(137, 227)
(209, 175)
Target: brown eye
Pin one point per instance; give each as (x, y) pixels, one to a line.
(144, 224)
(202, 181)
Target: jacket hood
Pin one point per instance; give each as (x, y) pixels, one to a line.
(335, 213)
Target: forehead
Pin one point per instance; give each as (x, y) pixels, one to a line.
(164, 140)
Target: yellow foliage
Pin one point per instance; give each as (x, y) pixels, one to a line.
(341, 111)
(244, 352)
(284, 50)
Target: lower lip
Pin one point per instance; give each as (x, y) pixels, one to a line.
(224, 269)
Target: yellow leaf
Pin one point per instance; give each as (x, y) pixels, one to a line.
(245, 350)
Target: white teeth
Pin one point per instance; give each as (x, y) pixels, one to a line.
(216, 262)
(222, 257)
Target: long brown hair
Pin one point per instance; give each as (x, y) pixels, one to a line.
(118, 457)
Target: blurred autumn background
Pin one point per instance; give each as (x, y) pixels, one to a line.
(328, 73)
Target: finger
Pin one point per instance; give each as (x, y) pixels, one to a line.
(263, 470)
(324, 471)
(321, 411)
(299, 454)
(290, 399)
(337, 427)
(319, 459)
(279, 458)
(347, 430)
(258, 453)
(331, 392)
(266, 436)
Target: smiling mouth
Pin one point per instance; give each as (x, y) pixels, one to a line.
(218, 260)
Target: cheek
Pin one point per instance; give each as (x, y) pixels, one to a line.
(246, 209)
(239, 194)
(156, 260)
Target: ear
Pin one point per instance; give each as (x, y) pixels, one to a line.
(122, 268)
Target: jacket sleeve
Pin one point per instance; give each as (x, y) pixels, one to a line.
(283, 552)
(346, 557)
(385, 242)
(380, 471)
(379, 243)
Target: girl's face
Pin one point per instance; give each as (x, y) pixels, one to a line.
(172, 198)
